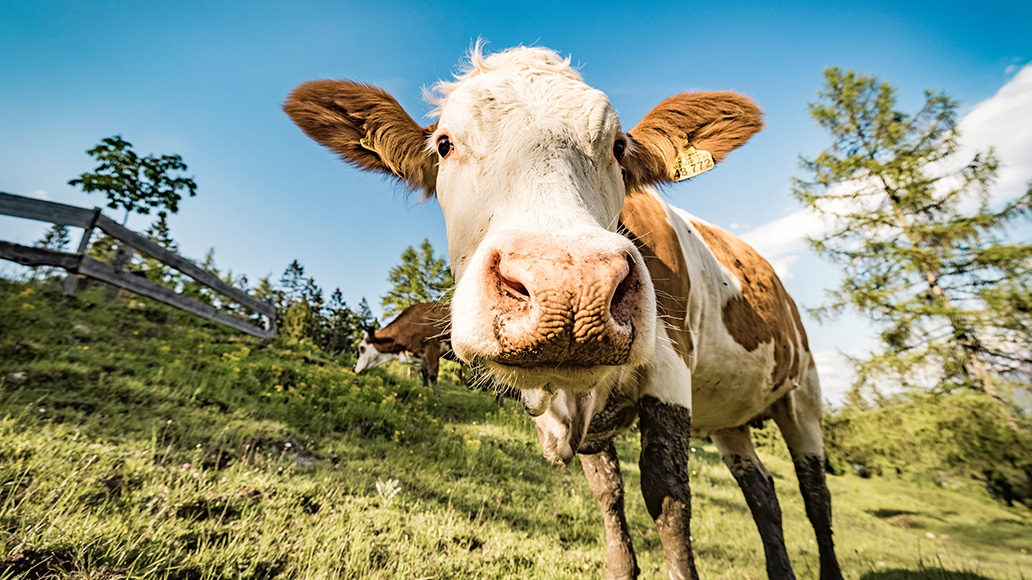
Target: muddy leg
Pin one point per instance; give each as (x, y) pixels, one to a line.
(664, 479)
(801, 428)
(736, 449)
(433, 365)
(603, 472)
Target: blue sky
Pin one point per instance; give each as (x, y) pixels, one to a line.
(207, 79)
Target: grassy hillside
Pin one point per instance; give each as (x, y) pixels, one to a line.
(137, 442)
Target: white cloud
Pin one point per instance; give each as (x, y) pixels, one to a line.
(835, 373)
(780, 240)
(1004, 122)
(783, 266)
(40, 194)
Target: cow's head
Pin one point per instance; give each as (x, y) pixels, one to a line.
(531, 168)
(374, 351)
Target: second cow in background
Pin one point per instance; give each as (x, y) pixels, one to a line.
(419, 336)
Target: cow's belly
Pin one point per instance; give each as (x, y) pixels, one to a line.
(733, 387)
(411, 358)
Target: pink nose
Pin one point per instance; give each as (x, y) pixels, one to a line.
(557, 307)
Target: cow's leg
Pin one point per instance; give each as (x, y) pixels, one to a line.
(433, 362)
(664, 479)
(603, 472)
(799, 418)
(736, 448)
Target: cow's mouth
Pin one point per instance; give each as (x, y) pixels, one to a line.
(570, 378)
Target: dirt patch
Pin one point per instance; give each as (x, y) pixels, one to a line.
(33, 564)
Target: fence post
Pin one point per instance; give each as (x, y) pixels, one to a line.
(72, 279)
(123, 255)
(270, 321)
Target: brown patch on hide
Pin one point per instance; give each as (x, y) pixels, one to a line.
(645, 223)
(764, 312)
(367, 128)
(717, 122)
(414, 330)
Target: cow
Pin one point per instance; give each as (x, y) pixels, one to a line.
(578, 284)
(417, 337)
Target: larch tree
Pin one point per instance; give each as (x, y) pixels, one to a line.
(421, 277)
(927, 252)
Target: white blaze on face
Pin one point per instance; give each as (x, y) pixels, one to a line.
(369, 357)
(530, 163)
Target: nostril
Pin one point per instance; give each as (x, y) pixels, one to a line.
(509, 279)
(515, 287)
(618, 310)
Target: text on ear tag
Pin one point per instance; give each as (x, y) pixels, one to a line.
(690, 162)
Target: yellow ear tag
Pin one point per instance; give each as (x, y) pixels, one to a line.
(367, 145)
(691, 162)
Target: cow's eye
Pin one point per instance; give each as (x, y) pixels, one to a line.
(444, 146)
(619, 146)
(361, 350)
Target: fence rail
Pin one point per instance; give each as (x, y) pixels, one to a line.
(79, 263)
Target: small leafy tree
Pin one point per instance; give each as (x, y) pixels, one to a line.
(926, 255)
(133, 183)
(300, 324)
(421, 277)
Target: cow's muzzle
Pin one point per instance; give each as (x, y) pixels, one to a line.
(554, 307)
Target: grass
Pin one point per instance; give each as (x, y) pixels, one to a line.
(137, 442)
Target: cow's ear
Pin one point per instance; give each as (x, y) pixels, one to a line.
(687, 134)
(367, 128)
(370, 333)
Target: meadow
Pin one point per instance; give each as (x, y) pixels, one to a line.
(139, 442)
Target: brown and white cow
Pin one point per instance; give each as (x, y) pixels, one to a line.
(418, 337)
(581, 287)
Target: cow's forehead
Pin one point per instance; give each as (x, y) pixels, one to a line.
(520, 91)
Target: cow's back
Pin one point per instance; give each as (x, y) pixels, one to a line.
(418, 324)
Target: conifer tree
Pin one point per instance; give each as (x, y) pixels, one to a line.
(196, 290)
(56, 238)
(342, 324)
(265, 292)
(365, 315)
(292, 284)
(421, 277)
(160, 233)
(926, 253)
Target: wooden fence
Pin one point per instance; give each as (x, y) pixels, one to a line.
(79, 264)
